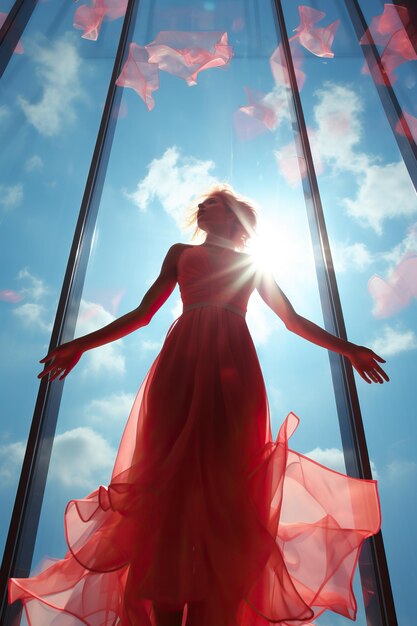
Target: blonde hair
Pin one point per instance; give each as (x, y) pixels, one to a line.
(243, 208)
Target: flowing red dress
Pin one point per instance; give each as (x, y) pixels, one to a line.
(203, 506)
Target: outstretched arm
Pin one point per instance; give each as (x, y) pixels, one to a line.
(364, 360)
(62, 359)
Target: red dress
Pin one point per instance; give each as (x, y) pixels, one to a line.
(203, 506)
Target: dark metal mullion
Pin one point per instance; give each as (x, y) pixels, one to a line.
(25, 518)
(12, 29)
(380, 609)
(389, 101)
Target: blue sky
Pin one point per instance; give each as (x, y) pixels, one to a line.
(51, 100)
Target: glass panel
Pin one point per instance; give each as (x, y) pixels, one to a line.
(370, 208)
(51, 100)
(391, 27)
(160, 158)
(5, 6)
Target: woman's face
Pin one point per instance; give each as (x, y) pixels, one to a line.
(215, 217)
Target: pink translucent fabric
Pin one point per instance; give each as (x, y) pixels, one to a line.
(411, 123)
(183, 54)
(259, 116)
(19, 48)
(292, 166)
(318, 40)
(8, 295)
(388, 30)
(279, 67)
(393, 294)
(204, 508)
(90, 18)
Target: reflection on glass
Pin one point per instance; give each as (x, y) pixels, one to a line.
(370, 208)
(49, 115)
(390, 26)
(5, 6)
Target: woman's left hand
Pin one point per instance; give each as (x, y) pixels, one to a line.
(365, 362)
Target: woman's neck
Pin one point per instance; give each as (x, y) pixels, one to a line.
(217, 240)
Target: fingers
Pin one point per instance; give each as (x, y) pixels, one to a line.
(378, 358)
(382, 372)
(364, 376)
(54, 371)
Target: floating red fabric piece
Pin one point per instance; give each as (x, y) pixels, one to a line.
(183, 54)
(204, 508)
(411, 122)
(259, 116)
(393, 294)
(318, 40)
(8, 295)
(140, 75)
(90, 18)
(279, 67)
(19, 48)
(389, 30)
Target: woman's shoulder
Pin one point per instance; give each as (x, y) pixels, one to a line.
(177, 249)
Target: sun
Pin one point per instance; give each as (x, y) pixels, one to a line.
(283, 248)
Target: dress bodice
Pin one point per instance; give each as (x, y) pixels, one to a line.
(216, 275)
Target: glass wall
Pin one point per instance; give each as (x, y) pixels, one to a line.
(234, 124)
(51, 101)
(370, 208)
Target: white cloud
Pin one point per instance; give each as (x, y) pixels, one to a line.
(351, 256)
(4, 112)
(110, 409)
(11, 458)
(408, 244)
(35, 287)
(399, 470)
(176, 310)
(32, 315)
(34, 164)
(334, 458)
(339, 128)
(393, 341)
(173, 180)
(330, 457)
(82, 458)
(151, 346)
(57, 66)
(11, 196)
(261, 322)
(107, 358)
(385, 192)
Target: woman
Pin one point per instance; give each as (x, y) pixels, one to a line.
(204, 511)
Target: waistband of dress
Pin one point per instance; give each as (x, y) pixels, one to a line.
(221, 305)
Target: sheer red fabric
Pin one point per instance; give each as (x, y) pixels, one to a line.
(393, 294)
(259, 116)
(317, 40)
(389, 30)
(90, 18)
(203, 506)
(183, 54)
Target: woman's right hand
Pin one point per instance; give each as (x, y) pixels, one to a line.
(61, 360)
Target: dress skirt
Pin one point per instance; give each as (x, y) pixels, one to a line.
(204, 507)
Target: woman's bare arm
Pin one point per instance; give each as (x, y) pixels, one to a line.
(364, 360)
(62, 359)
